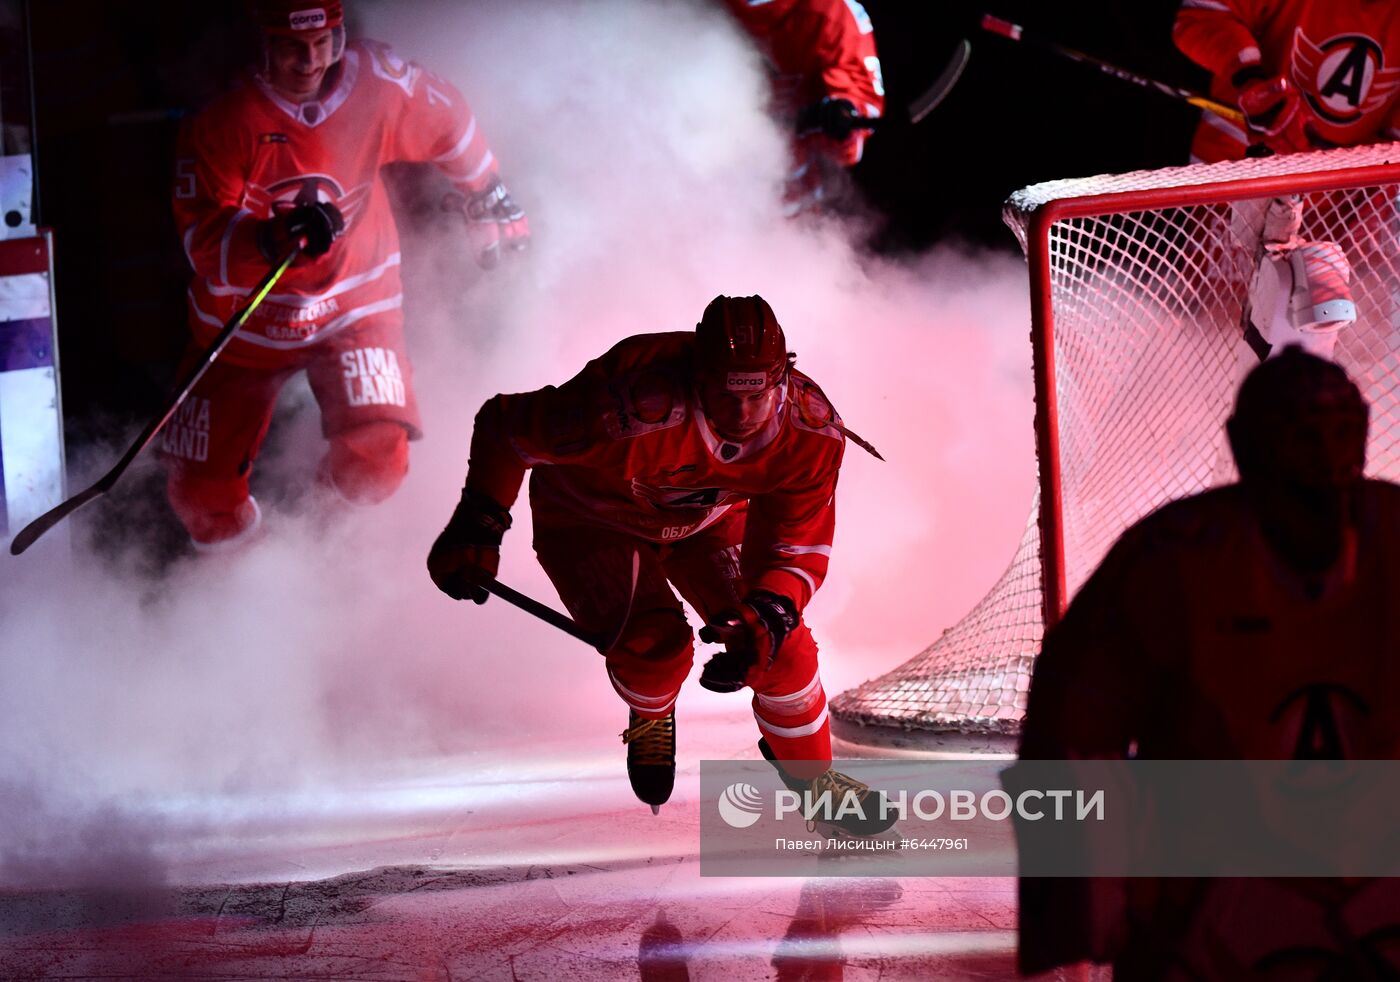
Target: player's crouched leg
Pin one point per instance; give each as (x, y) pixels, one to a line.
(367, 463)
(218, 513)
(646, 668)
(790, 706)
(651, 660)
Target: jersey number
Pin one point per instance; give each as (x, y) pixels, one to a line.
(184, 178)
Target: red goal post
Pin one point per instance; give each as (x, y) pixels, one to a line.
(1138, 282)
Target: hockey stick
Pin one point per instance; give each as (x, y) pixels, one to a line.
(562, 621)
(31, 532)
(1015, 32)
(942, 85)
(928, 100)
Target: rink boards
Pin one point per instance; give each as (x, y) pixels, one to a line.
(31, 415)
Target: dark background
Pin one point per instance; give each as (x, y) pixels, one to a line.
(113, 77)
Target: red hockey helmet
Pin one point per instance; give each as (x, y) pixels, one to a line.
(293, 17)
(740, 340)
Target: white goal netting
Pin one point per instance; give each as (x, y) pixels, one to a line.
(1138, 283)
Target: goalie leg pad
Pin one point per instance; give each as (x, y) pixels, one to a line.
(366, 464)
(1302, 295)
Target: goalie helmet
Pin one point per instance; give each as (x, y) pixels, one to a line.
(740, 341)
(1299, 422)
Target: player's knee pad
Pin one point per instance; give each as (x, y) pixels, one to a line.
(367, 464)
(658, 637)
(215, 511)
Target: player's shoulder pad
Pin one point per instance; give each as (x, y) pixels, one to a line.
(647, 376)
(811, 411)
(386, 65)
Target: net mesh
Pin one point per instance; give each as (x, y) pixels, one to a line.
(1149, 276)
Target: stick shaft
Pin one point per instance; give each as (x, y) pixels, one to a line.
(31, 532)
(562, 621)
(1015, 32)
(545, 613)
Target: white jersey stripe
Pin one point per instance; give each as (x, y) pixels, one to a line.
(803, 575)
(461, 146)
(482, 167)
(227, 240)
(788, 549)
(1224, 125)
(803, 699)
(637, 697)
(806, 729)
(311, 300)
(331, 327)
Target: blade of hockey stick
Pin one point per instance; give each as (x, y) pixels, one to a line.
(929, 99)
(564, 622)
(942, 85)
(30, 533)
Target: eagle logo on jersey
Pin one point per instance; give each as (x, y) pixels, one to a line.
(1344, 78)
(668, 497)
(1320, 721)
(309, 189)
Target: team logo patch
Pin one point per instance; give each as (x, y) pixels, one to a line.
(1321, 721)
(187, 434)
(668, 496)
(311, 19)
(309, 189)
(372, 377)
(1344, 78)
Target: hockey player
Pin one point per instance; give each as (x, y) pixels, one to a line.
(826, 78)
(292, 154)
(1307, 74)
(712, 459)
(1252, 621)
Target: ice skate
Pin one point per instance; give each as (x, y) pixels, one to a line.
(651, 758)
(871, 822)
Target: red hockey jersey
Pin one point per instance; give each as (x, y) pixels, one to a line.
(251, 152)
(625, 445)
(1193, 641)
(817, 48)
(1343, 55)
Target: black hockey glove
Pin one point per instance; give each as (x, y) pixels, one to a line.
(494, 221)
(835, 118)
(468, 551)
(752, 635)
(317, 226)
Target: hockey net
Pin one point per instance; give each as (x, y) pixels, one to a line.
(1138, 283)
